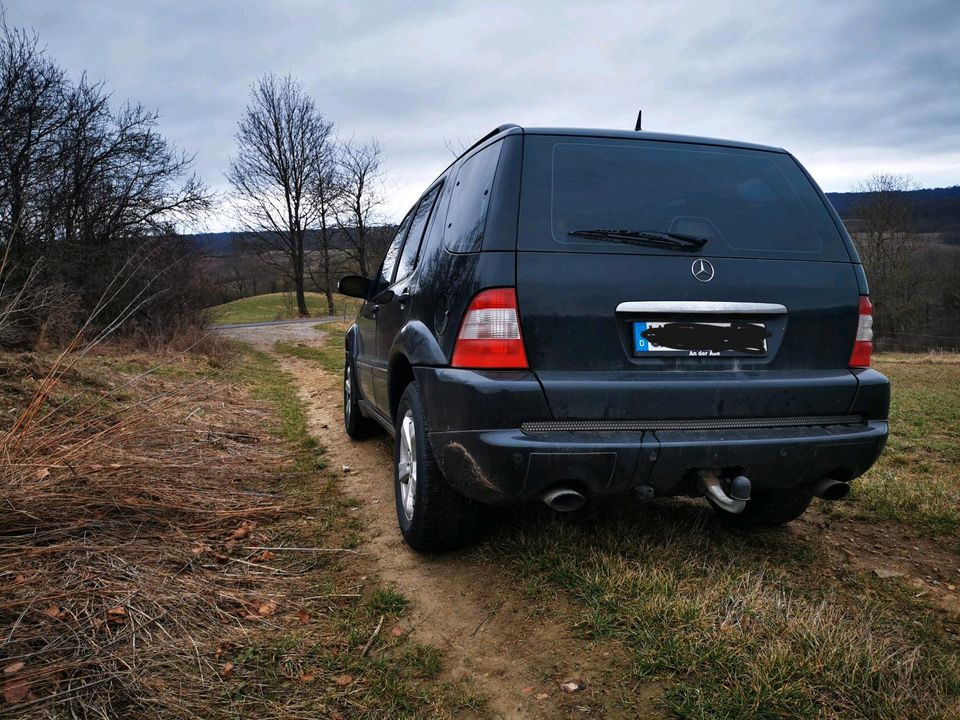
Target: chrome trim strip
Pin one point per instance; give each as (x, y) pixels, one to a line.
(701, 307)
(705, 424)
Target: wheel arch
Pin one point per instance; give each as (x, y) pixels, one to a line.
(399, 375)
(415, 345)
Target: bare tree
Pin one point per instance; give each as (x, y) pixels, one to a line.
(883, 218)
(326, 194)
(361, 196)
(281, 141)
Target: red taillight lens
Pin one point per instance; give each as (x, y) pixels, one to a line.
(490, 334)
(863, 344)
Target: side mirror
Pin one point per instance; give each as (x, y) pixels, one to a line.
(354, 286)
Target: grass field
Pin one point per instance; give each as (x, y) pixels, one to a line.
(279, 306)
(917, 480)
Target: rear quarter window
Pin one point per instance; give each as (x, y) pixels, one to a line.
(470, 199)
(746, 203)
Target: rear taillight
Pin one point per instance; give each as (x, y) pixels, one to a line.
(490, 334)
(863, 344)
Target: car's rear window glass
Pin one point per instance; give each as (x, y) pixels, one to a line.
(743, 202)
(467, 212)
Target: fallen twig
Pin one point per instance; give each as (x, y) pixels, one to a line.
(302, 549)
(366, 648)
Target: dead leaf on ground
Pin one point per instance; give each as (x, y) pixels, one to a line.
(54, 611)
(246, 527)
(15, 691)
(267, 555)
(227, 669)
(303, 616)
(42, 473)
(12, 668)
(342, 680)
(267, 609)
(528, 690)
(542, 696)
(397, 631)
(307, 677)
(572, 686)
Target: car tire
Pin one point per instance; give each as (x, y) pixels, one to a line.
(769, 508)
(431, 514)
(357, 426)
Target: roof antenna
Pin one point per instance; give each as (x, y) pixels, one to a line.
(639, 115)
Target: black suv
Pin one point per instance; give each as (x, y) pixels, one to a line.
(572, 313)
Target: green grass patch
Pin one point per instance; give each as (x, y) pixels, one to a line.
(331, 677)
(280, 306)
(917, 479)
(271, 384)
(739, 625)
(329, 355)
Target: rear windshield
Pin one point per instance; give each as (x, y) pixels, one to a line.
(740, 202)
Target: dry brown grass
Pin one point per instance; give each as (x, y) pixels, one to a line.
(122, 534)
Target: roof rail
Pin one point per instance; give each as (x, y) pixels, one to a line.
(496, 131)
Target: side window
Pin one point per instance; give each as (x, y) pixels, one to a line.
(467, 213)
(393, 252)
(408, 259)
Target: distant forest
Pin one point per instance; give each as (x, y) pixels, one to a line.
(935, 210)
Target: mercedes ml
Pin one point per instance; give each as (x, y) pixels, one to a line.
(572, 313)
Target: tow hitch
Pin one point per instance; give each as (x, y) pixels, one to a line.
(739, 491)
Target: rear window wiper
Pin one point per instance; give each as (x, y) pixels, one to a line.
(660, 240)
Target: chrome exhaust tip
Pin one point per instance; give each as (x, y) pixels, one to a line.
(564, 500)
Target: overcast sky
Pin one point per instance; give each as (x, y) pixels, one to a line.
(849, 87)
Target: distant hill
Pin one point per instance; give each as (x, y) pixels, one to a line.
(222, 244)
(935, 209)
(215, 244)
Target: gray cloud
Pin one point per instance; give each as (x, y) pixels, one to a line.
(849, 87)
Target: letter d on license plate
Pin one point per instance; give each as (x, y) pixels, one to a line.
(640, 343)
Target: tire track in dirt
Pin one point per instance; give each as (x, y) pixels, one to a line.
(491, 634)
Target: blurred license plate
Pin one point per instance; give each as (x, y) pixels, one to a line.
(699, 339)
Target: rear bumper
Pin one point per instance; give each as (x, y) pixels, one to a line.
(507, 464)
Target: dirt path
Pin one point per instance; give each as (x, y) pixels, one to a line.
(491, 633)
(264, 336)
